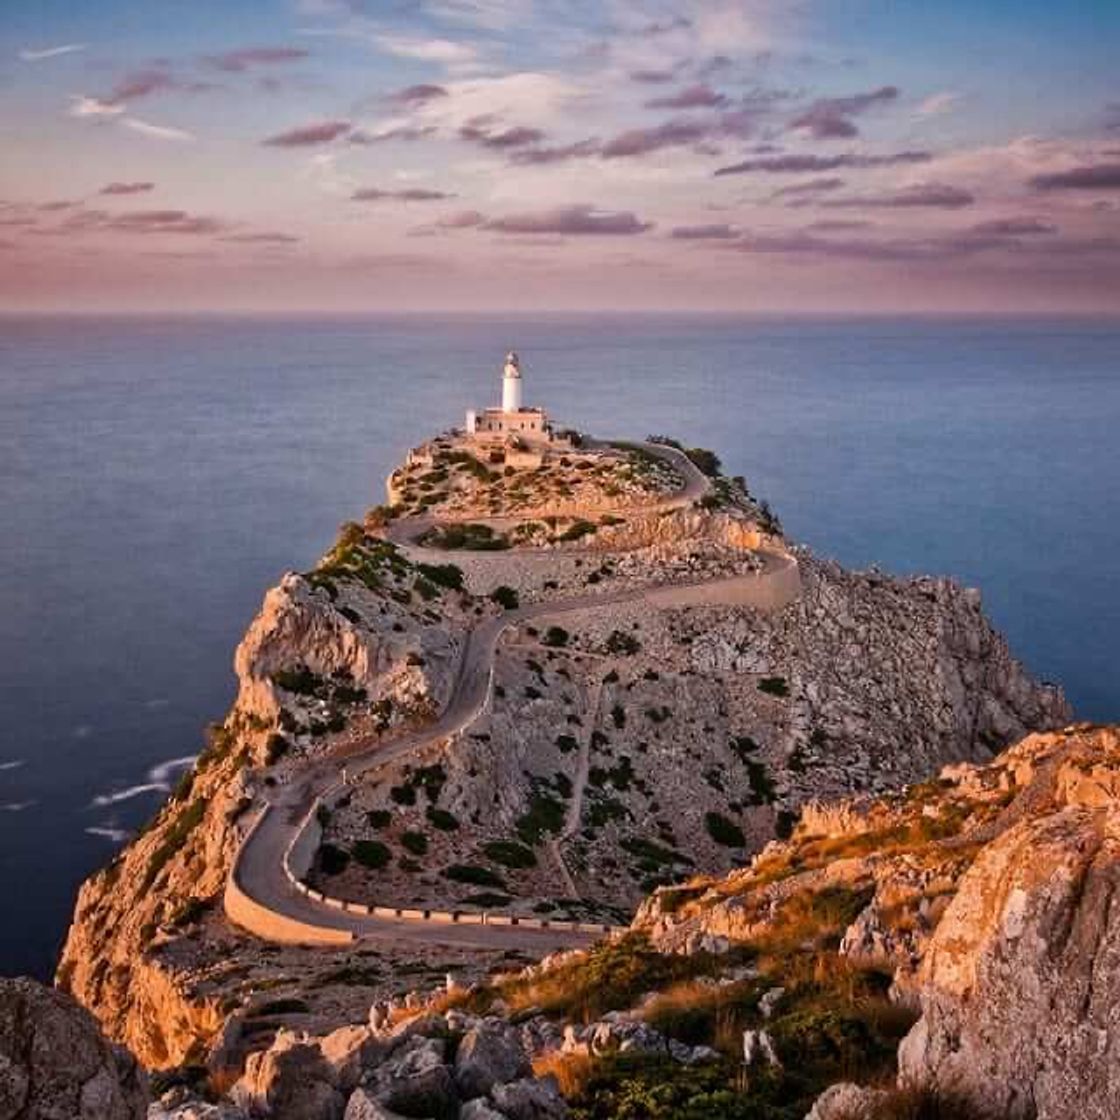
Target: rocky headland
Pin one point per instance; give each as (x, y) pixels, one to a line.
(598, 688)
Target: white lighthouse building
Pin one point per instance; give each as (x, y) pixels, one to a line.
(512, 419)
(511, 384)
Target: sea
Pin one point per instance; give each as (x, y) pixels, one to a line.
(158, 475)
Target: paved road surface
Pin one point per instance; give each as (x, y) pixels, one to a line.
(260, 895)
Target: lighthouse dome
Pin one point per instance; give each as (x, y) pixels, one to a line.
(513, 364)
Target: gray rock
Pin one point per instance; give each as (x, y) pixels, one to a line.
(291, 1080)
(349, 1051)
(361, 1106)
(758, 1047)
(415, 1079)
(846, 1101)
(489, 1053)
(530, 1099)
(55, 1063)
(480, 1110)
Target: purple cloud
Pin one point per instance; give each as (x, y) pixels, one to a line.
(575, 220)
(1014, 227)
(652, 77)
(265, 237)
(699, 96)
(538, 155)
(831, 118)
(402, 132)
(247, 57)
(796, 164)
(462, 219)
(1089, 177)
(140, 83)
(480, 130)
(409, 194)
(811, 187)
(940, 196)
(715, 232)
(306, 135)
(421, 94)
(127, 188)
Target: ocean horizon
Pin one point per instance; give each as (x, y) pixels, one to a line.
(158, 473)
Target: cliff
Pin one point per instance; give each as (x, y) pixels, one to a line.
(688, 704)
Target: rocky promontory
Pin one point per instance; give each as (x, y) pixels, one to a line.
(672, 686)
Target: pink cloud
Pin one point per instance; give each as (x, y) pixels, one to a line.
(127, 188)
(240, 60)
(322, 132)
(576, 220)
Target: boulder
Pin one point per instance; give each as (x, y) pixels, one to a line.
(1020, 986)
(530, 1099)
(348, 1051)
(479, 1110)
(362, 1106)
(846, 1101)
(487, 1054)
(54, 1061)
(290, 1081)
(415, 1081)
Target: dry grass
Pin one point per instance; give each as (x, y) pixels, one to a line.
(572, 1071)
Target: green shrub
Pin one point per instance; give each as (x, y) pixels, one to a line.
(577, 530)
(506, 597)
(567, 743)
(372, 854)
(379, 818)
(723, 831)
(332, 859)
(414, 842)
(443, 575)
(555, 636)
(509, 853)
(442, 819)
(473, 875)
(285, 1006)
(619, 642)
(275, 749)
(774, 686)
(301, 681)
(707, 462)
(545, 814)
(403, 795)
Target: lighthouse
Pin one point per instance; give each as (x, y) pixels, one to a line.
(512, 421)
(511, 384)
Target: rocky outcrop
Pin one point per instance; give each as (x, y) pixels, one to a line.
(1020, 991)
(651, 744)
(55, 1063)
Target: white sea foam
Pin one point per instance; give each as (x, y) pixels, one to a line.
(117, 835)
(14, 764)
(16, 806)
(103, 799)
(163, 771)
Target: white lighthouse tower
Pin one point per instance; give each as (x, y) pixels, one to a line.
(511, 384)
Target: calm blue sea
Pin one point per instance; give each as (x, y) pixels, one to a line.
(157, 475)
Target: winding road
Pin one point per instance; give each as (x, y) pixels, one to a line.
(263, 892)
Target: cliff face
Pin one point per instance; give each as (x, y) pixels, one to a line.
(629, 747)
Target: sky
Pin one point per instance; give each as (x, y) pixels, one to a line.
(838, 156)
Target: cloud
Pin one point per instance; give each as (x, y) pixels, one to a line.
(714, 232)
(158, 221)
(490, 15)
(140, 83)
(428, 50)
(541, 155)
(408, 194)
(574, 220)
(322, 132)
(29, 54)
(265, 237)
(937, 104)
(836, 225)
(399, 132)
(462, 219)
(652, 77)
(127, 188)
(797, 164)
(937, 195)
(1088, 177)
(81, 106)
(1014, 227)
(830, 118)
(810, 187)
(156, 131)
(699, 96)
(247, 57)
(481, 130)
(420, 94)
